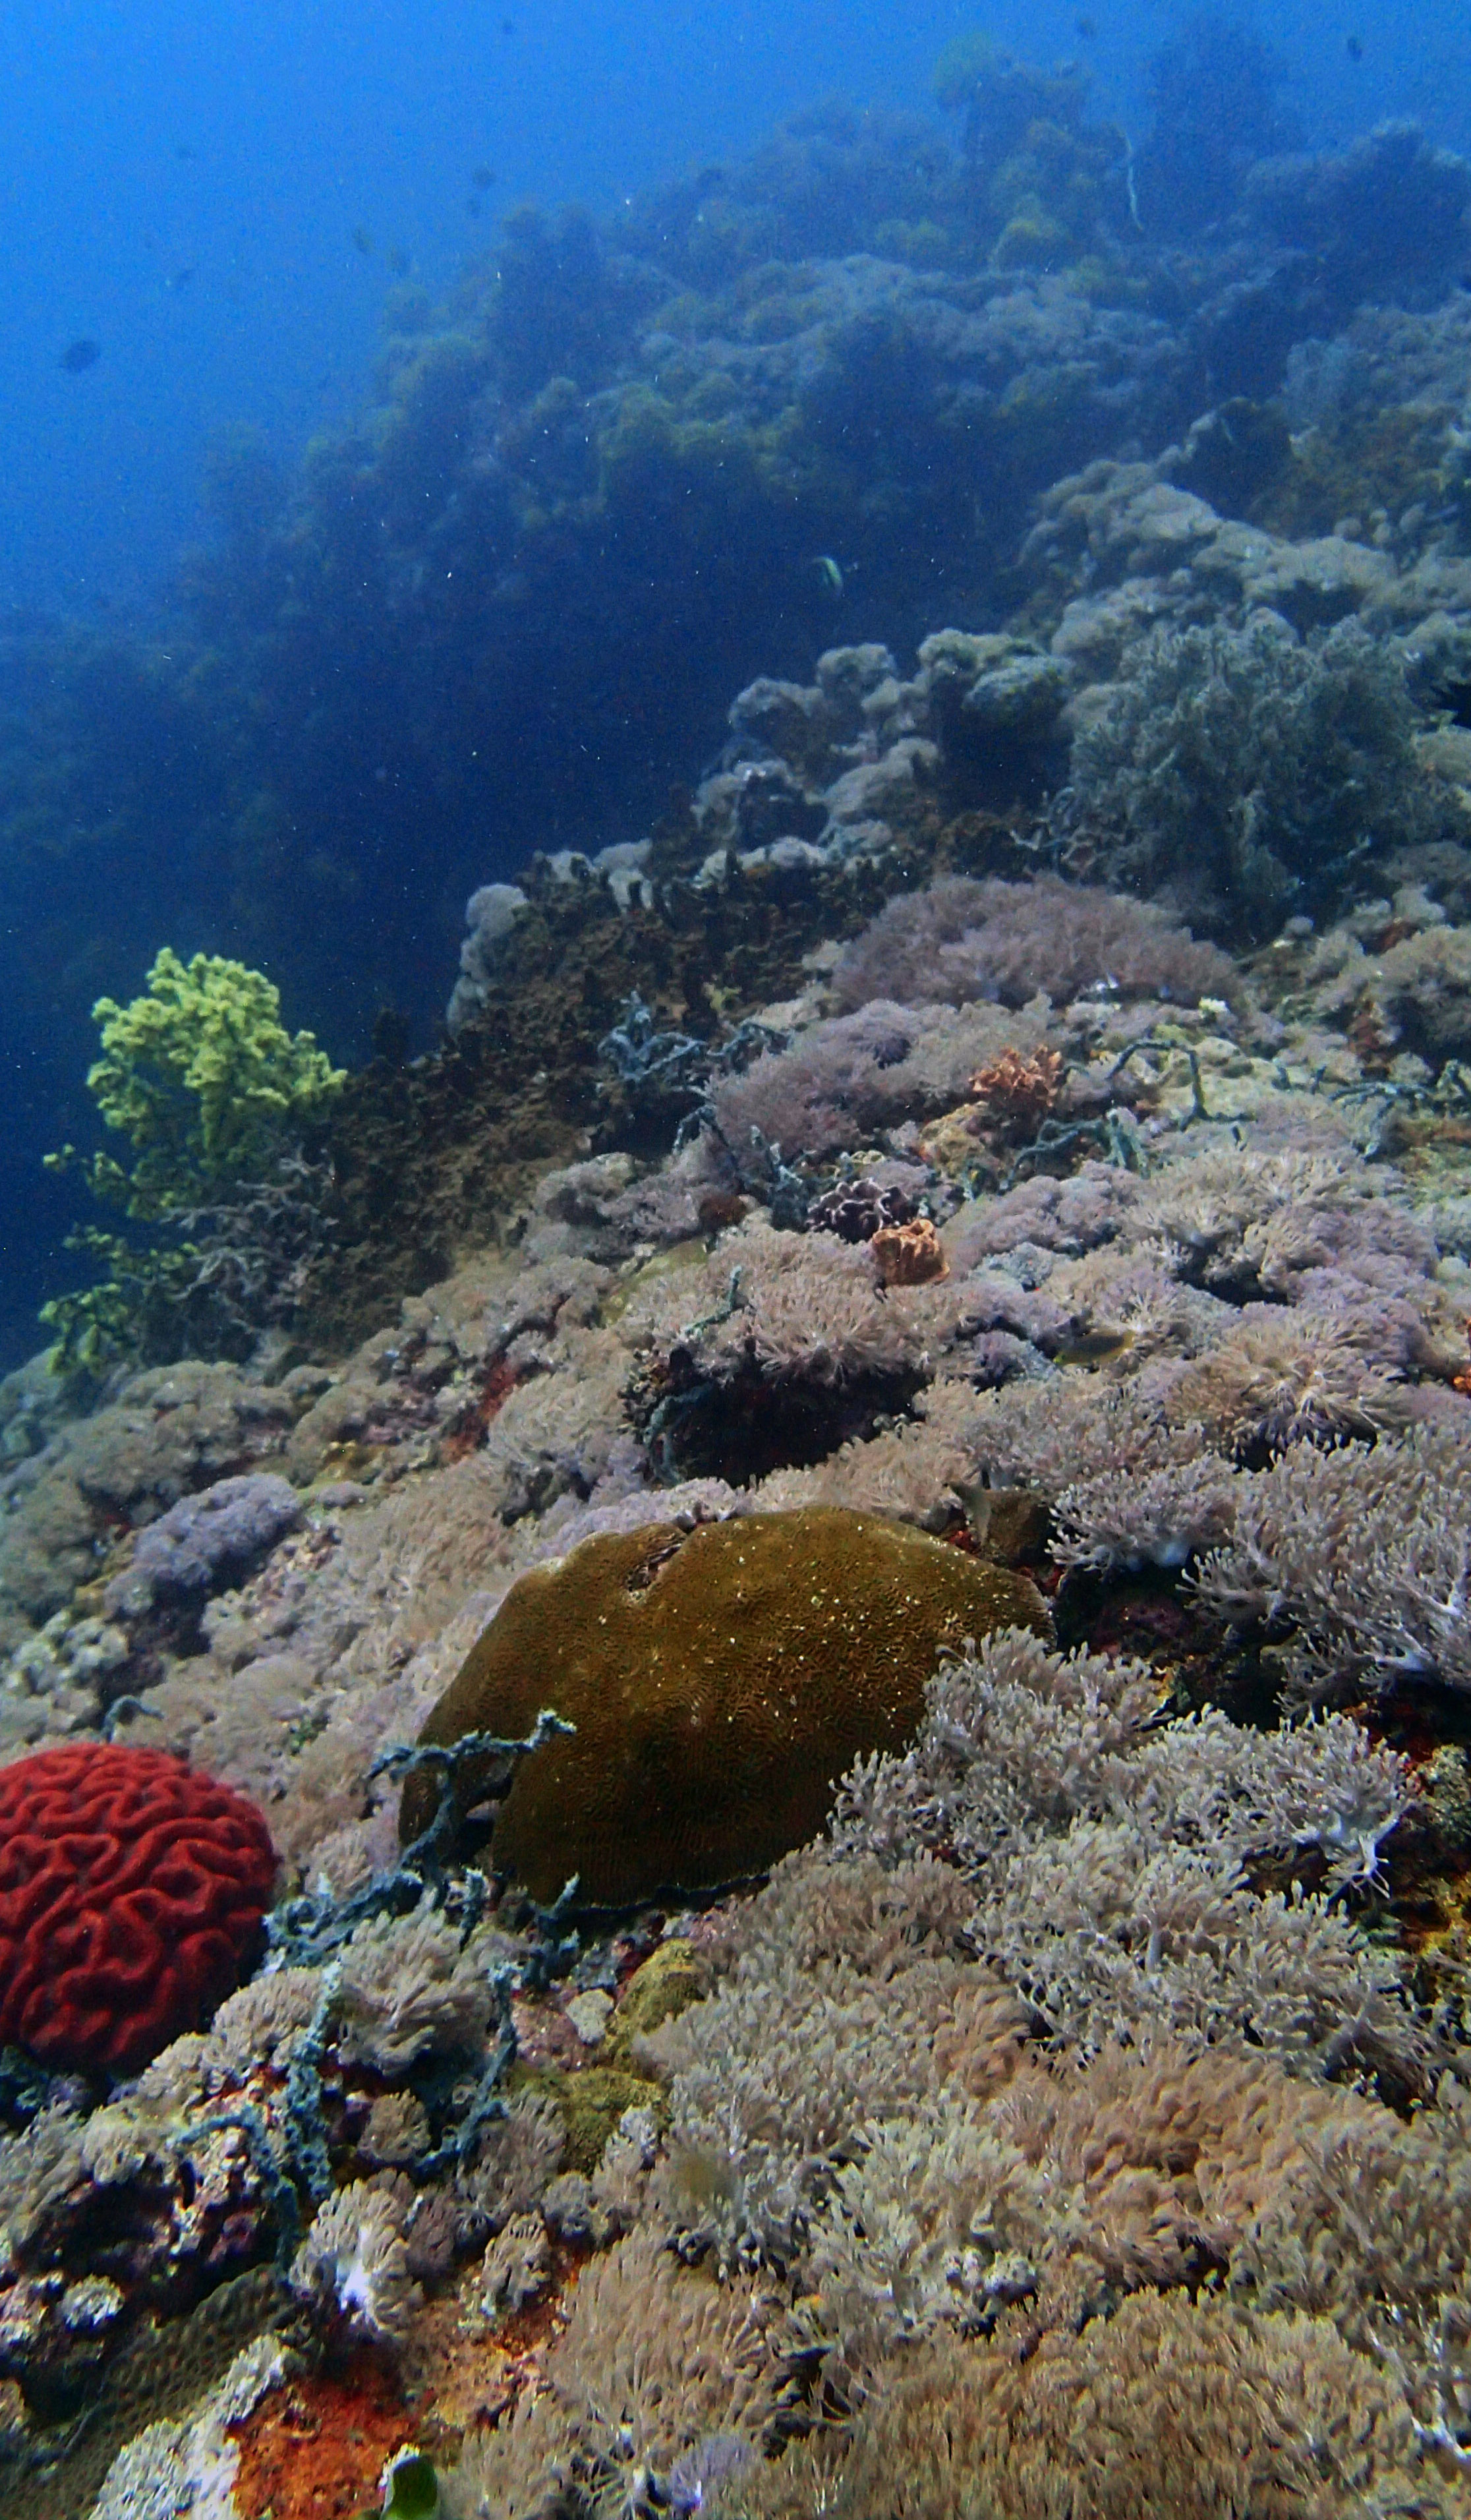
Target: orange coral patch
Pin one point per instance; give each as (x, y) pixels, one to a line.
(316, 2449)
(1018, 1090)
(909, 1255)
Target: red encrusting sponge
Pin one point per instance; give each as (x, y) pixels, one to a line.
(131, 1896)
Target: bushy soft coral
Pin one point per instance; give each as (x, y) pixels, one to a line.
(961, 940)
(202, 1078)
(353, 2265)
(1249, 769)
(212, 1093)
(1364, 1553)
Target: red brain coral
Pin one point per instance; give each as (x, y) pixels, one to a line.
(131, 1892)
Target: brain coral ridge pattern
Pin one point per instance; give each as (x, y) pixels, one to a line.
(720, 1681)
(131, 1896)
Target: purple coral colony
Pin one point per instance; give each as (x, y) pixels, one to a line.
(922, 1278)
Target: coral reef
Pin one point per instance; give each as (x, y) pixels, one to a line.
(950, 1376)
(132, 1901)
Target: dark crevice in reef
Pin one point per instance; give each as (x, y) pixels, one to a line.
(743, 1430)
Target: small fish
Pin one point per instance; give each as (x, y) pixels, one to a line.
(1085, 30)
(1353, 47)
(79, 355)
(398, 262)
(181, 278)
(362, 239)
(483, 178)
(828, 571)
(183, 151)
(1093, 1347)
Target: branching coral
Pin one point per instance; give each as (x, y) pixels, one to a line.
(1248, 768)
(1364, 1553)
(1128, 1483)
(1020, 1737)
(1109, 1858)
(1127, 1519)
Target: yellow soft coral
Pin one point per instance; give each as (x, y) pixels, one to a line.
(202, 1077)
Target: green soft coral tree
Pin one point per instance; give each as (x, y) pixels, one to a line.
(212, 1094)
(203, 1080)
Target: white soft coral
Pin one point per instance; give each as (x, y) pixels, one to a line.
(354, 2260)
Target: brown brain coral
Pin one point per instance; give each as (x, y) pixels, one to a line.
(721, 1679)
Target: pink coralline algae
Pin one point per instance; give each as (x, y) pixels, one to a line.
(131, 1896)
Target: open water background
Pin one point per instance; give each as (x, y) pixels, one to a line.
(246, 144)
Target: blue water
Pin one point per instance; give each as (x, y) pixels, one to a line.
(245, 144)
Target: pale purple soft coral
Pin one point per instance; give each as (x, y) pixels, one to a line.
(205, 1539)
(962, 939)
(1094, 1206)
(815, 1096)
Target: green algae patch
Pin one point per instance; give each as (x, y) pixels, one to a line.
(590, 2103)
(669, 1982)
(720, 1679)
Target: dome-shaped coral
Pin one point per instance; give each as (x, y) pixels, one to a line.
(721, 1679)
(131, 1892)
